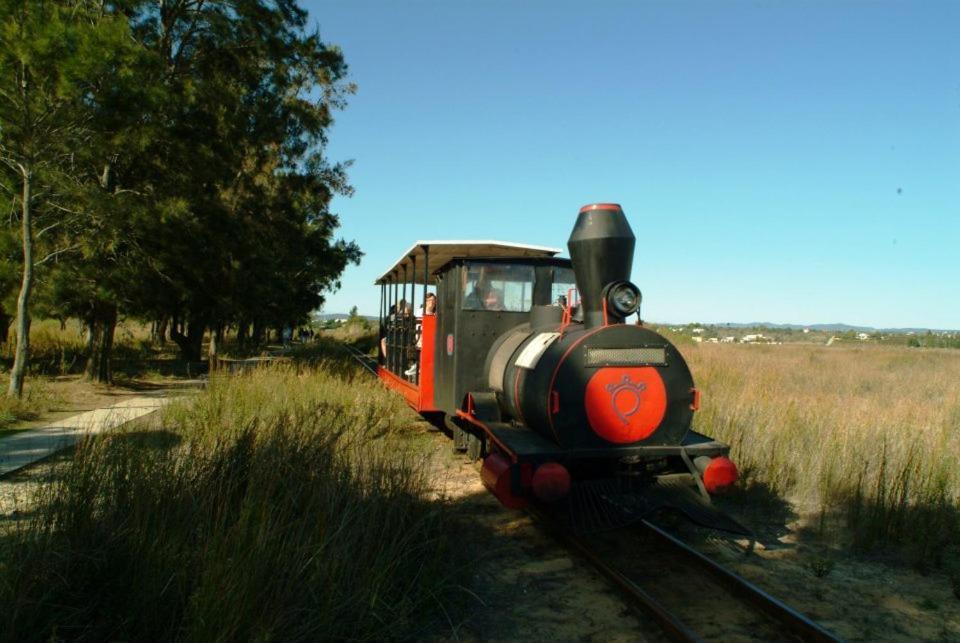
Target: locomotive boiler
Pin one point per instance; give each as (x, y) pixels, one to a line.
(529, 360)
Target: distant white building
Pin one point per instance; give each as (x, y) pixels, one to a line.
(752, 339)
(697, 331)
(806, 330)
(728, 340)
(713, 340)
(863, 337)
(698, 339)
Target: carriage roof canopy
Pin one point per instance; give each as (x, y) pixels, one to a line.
(443, 252)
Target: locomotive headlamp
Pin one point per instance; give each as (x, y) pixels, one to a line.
(623, 298)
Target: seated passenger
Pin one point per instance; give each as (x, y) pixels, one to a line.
(493, 300)
(474, 301)
(385, 328)
(430, 308)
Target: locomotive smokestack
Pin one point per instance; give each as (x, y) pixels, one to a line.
(601, 247)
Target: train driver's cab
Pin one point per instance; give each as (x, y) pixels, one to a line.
(482, 289)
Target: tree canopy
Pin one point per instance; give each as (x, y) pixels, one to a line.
(165, 160)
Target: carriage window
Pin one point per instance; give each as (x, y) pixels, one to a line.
(563, 282)
(503, 287)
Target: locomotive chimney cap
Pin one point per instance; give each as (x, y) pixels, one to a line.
(601, 206)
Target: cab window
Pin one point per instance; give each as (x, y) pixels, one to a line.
(498, 287)
(563, 282)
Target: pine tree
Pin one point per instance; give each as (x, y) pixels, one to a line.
(56, 57)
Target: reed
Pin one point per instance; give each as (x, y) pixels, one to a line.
(865, 433)
(282, 504)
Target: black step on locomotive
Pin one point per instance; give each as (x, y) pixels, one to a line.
(528, 360)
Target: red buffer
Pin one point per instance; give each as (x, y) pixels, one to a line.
(496, 475)
(551, 482)
(720, 475)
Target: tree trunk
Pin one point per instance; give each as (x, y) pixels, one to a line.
(162, 324)
(181, 341)
(23, 299)
(4, 326)
(93, 339)
(105, 350)
(191, 342)
(242, 328)
(195, 333)
(102, 325)
(216, 338)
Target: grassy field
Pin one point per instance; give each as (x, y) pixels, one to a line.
(283, 504)
(867, 435)
(290, 502)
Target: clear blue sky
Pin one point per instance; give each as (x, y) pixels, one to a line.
(784, 162)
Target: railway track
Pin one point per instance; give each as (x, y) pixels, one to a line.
(688, 595)
(366, 361)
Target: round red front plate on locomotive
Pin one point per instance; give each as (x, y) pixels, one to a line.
(625, 404)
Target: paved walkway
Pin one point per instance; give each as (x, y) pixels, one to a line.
(26, 447)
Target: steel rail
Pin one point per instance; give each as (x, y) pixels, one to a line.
(673, 627)
(796, 622)
(363, 359)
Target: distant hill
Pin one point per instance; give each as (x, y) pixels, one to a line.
(336, 316)
(832, 328)
(825, 327)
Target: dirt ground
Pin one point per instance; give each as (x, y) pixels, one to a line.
(528, 586)
(69, 395)
(17, 488)
(857, 598)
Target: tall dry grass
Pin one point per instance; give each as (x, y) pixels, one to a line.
(60, 349)
(282, 504)
(870, 433)
(359, 333)
(38, 397)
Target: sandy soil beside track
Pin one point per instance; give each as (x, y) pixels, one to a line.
(859, 599)
(17, 488)
(526, 585)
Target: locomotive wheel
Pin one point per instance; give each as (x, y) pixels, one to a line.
(460, 437)
(466, 442)
(475, 447)
(461, 441)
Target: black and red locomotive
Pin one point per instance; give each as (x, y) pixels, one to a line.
(528, 360)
